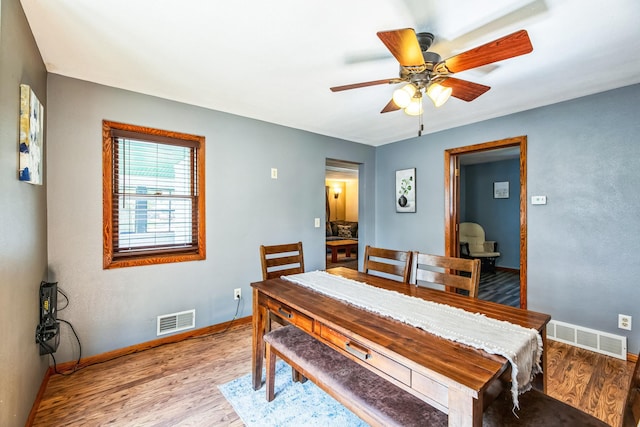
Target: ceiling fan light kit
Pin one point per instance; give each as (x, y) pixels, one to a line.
(402, 96)
(423, 70)
(438, 94)
(415, 107)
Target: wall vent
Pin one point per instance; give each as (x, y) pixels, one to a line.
(174, 322)
(589, 339)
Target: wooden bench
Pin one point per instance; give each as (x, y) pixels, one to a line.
(372, 398)
(381, 403)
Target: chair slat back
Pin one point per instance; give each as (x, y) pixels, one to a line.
(631, 414)
(388, 261)
(447, 271)
(281, 260)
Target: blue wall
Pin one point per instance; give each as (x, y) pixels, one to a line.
(23, 224)
(500, 218)
(244, 209)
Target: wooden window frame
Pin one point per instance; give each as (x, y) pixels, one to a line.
(109, 129)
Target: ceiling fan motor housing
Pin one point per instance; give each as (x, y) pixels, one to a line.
(431, 59)
(424, 40)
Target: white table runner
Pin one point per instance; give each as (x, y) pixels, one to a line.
(521, 346)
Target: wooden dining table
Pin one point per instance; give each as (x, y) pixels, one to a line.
(455, 378)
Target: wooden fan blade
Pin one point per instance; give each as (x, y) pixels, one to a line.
(391, 106)
(403, 45)
(363, 84)
(515, 44)
(463, 89)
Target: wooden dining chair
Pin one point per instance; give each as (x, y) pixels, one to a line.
(393, 264)
(281, 260)
(452, 273)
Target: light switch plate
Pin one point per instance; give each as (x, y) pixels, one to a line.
(538, 200)
(274, 173)
(316, 222)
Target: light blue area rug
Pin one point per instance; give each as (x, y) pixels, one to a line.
(295, 404)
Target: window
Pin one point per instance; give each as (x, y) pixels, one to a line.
(153, 196)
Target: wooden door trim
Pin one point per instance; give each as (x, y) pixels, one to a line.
(452, 248)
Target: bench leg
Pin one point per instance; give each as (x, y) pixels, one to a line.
(297, 376)
(271, 372)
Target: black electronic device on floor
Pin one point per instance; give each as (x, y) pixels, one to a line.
(48, 330)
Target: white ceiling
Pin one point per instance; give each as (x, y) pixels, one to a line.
(275, 60)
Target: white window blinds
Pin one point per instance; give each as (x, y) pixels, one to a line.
(155, 194)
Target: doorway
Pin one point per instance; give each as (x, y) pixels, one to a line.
(453, 159)
(341, 200)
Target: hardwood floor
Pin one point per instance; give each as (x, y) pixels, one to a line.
(343, 261)
(595, 383)
(176, 384)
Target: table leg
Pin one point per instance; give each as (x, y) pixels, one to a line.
(334, 254)
(259, 327)
(347, 251)
(464, 410)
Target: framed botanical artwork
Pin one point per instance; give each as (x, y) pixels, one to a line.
(31, 137)
(501, 190)
(406, 190)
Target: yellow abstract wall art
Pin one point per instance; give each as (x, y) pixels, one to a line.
(31, 136)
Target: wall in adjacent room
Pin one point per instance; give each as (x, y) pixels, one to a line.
(583, 244)
(346, 205)
(245, 208)
(500, 218)
(23, 224)
(337, 207)
(351, 208)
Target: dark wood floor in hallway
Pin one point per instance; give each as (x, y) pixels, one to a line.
(176, 384)
(502, 287)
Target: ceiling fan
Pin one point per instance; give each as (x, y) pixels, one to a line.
(423, 70)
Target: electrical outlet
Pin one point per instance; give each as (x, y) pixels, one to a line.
(237, 293)
(624, 321)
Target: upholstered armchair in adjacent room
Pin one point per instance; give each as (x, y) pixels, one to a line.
(473, 245)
